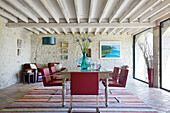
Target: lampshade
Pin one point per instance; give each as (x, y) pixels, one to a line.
(48, 40)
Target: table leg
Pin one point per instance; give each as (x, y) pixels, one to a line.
(24, 78)
(106, 92)
(63, 92)
(33, 79)
(28, 78)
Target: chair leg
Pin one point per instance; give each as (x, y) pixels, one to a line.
(63, 93)
(97, 109)
(70, 104)
(117, 99)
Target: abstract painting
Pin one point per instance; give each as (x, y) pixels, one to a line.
(110, 50)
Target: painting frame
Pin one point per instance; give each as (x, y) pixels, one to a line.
(110, 50)
(64, 57)
(19, 43)
(64, 50)
(64, 44)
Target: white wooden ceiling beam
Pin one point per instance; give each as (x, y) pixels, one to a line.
(143, 10)
(132, 30)
(155, 10)
(63, 9)
(138, 31)
(51, 9)
(104, 10)
(116, 10)
(37, 9)
(96, 31)
(125, 30)
(32, 30)
(91, 9)
(22, 8)
(41, 30)
(82, 25)
(49, 30)
(111, 31)
(89, 30)
(104, 31)
(77, 10)
(81, 30)
(8, 16)
(64, 30)
(160, 14)
(119, 30)
(56, 30)
(72, 30)
(130, 9)
(13, 11)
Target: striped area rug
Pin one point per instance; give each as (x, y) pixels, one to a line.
(48, 100)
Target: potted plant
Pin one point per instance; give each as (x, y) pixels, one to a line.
(84, 42)
(147, 49)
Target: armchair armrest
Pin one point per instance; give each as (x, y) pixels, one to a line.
(63, 68)
(27, 70)
(39, 69)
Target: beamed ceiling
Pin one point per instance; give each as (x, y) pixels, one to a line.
(79, 16)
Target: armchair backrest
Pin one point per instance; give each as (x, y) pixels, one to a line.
(27, 65)
(115, 72)
(123, 76)
(52, 64)
(52, 69)
(84, 83)
(45, 72)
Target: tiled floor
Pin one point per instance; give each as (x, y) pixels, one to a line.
(157, 98)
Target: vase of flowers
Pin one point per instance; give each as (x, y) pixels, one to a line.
(84, 41)
(147, 49)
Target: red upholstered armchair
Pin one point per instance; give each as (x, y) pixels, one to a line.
(84, 83)
(54, 72)
(47, 81)
(35, 69)
(122, 79)
(114, 75)
(53, 64)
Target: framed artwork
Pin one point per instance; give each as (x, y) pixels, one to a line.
(88, 53)
(18, 52)
(64, 44)
(64, 50)
(19, 43)
(64, 57)
(110, 50)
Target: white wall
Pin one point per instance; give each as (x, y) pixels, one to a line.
(52, 53)
(10, 63)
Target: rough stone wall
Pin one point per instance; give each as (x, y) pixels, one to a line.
(10, 63)
(52, 53)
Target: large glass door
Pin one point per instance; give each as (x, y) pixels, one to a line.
(165, 56)
(143, 54)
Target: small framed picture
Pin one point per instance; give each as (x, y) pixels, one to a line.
(64, 57)
(64, 44)
(18, 52)
(88, 53)
(19, 43)
(64, 50)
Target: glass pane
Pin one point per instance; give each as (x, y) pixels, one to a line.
(165, 31)
(143, 54)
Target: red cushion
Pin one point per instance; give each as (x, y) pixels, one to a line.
(54, 83)
(84, 83)
(122, 80)
(103, 79)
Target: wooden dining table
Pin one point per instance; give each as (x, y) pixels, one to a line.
(66, 74)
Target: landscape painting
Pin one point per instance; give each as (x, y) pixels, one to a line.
(110, 50)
